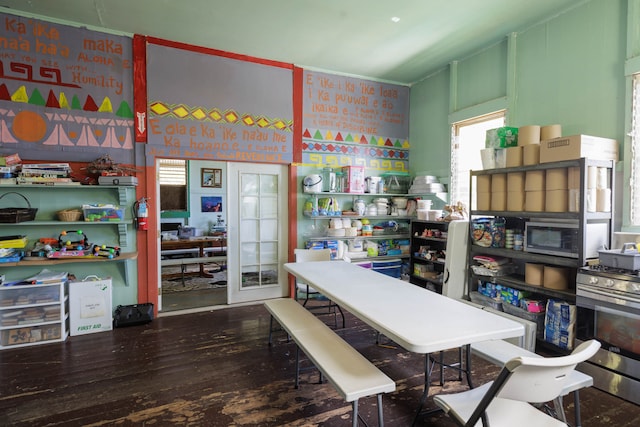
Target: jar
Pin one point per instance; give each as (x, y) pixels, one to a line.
(328, 180)
(339, 182)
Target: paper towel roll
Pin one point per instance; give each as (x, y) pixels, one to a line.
(603, 200)
(592, 195)
(515, 181)
(550, 132)
(534, 181)
(556, 179)
(514, 157)
(488, 156)
(531, 154)
(483, 185)
(574, 200)
(499, 182)
(602, 181)
(529, 135)
(592, 177)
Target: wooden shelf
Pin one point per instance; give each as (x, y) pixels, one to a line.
(70, 260)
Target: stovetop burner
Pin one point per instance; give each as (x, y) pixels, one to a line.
(623, 273)
(611, 278)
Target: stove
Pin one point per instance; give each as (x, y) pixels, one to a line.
(608, 302)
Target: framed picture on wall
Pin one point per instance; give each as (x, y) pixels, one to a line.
(211, 204)
(211, 177)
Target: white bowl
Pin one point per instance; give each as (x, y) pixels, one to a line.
(400, 202)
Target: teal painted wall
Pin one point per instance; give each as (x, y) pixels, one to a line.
(482, 77)
(568, 70)
(428, 129)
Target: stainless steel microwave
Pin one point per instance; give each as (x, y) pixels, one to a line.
(563, 239)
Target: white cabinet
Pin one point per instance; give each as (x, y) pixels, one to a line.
(33, 314)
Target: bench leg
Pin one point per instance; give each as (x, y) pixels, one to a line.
(297, 366)
(270, 329)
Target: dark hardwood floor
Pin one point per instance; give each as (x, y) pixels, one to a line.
(215, 369)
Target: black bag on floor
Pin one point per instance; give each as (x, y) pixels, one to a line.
(129, 315)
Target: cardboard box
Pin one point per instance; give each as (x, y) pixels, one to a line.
(90, 306)
(578, 146)
(501, 137)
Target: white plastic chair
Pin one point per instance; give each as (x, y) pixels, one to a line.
(522, 380)
(306, 291)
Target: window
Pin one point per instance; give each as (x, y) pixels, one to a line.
(634, 211)
(172, 178)
(467, 139)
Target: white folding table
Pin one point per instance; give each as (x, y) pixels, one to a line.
(419, 320)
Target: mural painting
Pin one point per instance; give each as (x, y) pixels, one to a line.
(64, 90)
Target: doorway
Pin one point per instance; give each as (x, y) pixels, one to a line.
(192, 237)
(253, 244)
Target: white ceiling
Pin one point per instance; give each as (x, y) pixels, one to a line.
(354, 37)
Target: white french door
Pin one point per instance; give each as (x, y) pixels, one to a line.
(257, 233)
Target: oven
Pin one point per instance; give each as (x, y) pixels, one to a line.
(608, 303)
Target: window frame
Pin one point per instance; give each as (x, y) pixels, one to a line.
(175, 213)
(632, 137)
(455, 131)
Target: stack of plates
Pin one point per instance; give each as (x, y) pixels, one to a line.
(424, 184)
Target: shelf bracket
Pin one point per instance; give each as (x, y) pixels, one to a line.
(122, 235)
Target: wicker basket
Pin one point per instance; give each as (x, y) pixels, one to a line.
(69, 215)
(15, 215)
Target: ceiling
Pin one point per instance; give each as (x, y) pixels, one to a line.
(355, 37)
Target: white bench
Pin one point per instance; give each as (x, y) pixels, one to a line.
(499, 352)
(184, 262)
(352, 375)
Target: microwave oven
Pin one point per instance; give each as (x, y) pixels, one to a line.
(563, 239)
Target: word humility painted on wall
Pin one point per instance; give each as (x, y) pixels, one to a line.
(64, 89)
(217, 108)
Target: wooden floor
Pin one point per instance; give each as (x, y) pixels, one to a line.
(215, 369)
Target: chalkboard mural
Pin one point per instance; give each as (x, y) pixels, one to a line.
(205, 106)
(351, 121)
(64, 90)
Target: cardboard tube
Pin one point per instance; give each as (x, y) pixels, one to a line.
(550, 132)
(529, 135)
(602, 180)
(592, 177)
(531, 154)
(603, 200)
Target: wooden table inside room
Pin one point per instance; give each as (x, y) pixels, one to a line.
(217, 243)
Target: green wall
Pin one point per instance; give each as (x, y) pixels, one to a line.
(567, 70)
